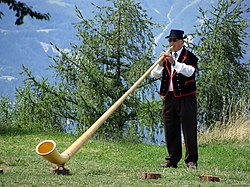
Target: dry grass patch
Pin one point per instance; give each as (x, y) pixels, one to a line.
(238, 131)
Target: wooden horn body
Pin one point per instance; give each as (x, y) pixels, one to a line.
(47, 148)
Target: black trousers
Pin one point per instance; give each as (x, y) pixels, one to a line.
(180, 114)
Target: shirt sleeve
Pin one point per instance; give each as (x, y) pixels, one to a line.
(186, 70)
(157, 71)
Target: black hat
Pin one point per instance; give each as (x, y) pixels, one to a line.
(176, 34)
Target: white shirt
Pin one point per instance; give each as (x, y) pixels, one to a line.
(179, 67)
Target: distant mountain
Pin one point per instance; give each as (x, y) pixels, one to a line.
(29, 44)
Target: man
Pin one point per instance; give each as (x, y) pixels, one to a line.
(178, 87)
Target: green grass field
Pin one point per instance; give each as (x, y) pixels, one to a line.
(118, 164)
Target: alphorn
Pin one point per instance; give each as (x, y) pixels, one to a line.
(47, 148)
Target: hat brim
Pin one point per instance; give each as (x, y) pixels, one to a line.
(173, 37)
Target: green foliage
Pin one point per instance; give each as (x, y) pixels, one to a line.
(115, 50)
(7, 112)
(224, 77)
(23, 10)
(41, 105)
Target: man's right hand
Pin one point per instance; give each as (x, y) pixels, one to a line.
(161, 62)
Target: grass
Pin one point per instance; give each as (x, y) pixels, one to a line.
(100, 163)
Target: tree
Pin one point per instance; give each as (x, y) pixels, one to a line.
(23, 10)
(223, 76)
(115, 50)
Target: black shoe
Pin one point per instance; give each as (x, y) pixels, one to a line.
(169, 165)
(191, 165)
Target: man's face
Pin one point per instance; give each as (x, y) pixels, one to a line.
(176, 43)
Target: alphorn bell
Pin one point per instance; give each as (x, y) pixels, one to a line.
(47, 148)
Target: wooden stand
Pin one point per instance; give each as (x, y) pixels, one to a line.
(150, 175)
(59, 171)
(209, 178)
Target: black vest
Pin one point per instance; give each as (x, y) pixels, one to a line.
(182, 85)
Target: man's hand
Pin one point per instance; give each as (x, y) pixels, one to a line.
(161, 62)
(167, 56)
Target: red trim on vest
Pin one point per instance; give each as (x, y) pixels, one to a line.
(189, 81)
(183, 94)
(167, 68)
(185, 56)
